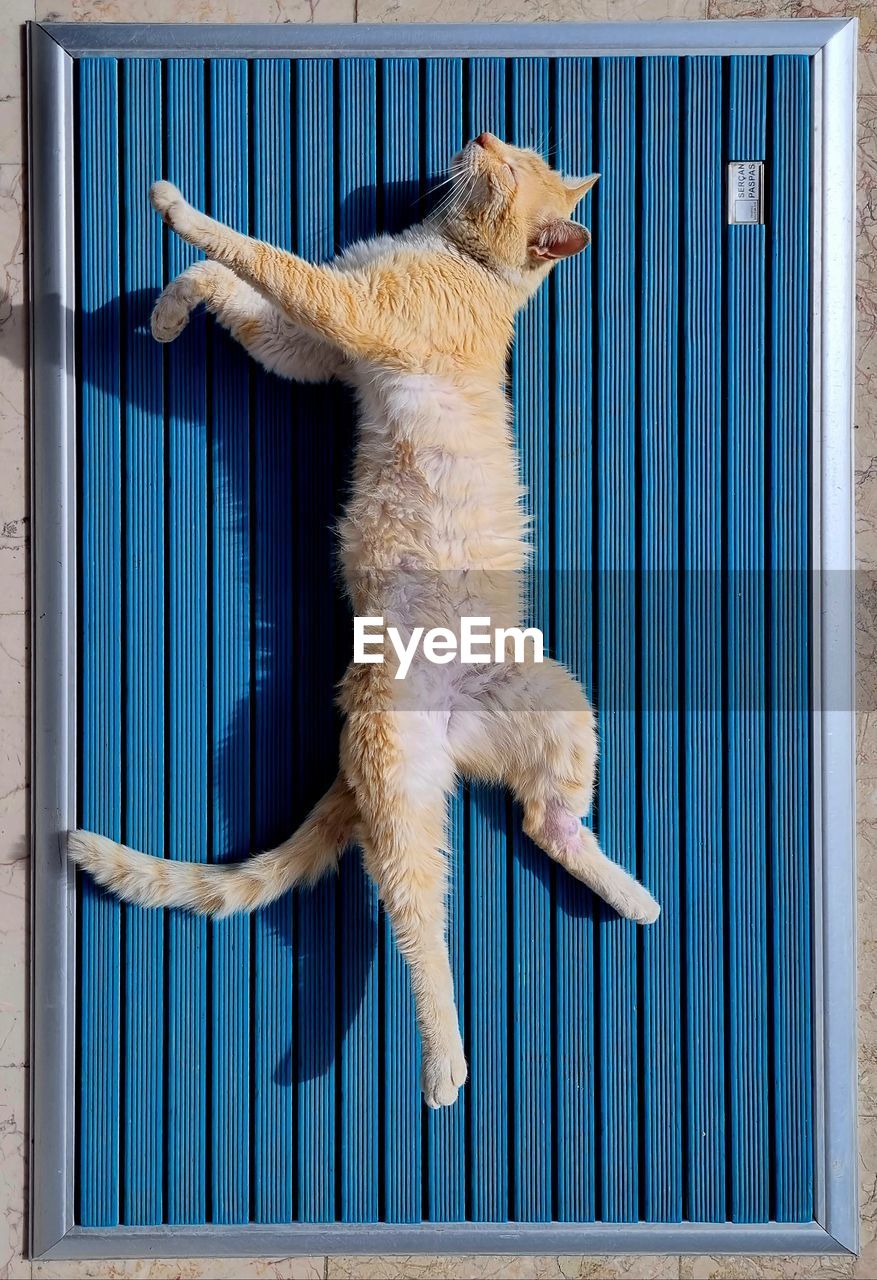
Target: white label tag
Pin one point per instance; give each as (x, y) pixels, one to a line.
(745, 187)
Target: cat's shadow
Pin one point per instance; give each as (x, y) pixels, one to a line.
(277, 477)
(292, 681)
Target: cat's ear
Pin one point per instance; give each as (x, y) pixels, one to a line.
(560, 239)
(578, 187)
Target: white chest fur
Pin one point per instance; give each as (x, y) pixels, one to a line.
(435, 480)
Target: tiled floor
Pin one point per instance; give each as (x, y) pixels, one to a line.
(13, 628)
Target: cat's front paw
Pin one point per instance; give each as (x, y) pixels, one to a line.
(167, 200)
(442, 1074)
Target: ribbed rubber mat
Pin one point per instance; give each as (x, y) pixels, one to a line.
(266, 1069)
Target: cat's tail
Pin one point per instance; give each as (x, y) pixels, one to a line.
(217, 889)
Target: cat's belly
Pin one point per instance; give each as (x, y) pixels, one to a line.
(438, 489)
(435, 530)
(431, 575)
(408, 597)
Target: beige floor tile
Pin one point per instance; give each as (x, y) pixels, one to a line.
(13, 338)
(867, 993)
(866, 358)
(500, 1267)
(13, 559)
(269, 11)
(15, 14)
(184, 1269)
(866, 629)
(866, 803)
(868, 1081)
(13, 684)
(13, 948)
(749, 8)
(12, 1152)
(766, 1268)
(636, 1266)
(13, 1078)
(867, 1196)
(13, 742)
(656, 10)
(485, 10)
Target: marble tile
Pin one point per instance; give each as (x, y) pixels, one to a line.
(184, 1269)
(15, 14)
(273, 11)
(749, 8)
(13, 1110)
(866, 371)
(13, 556)
(866, 813)
(13, 739)
(521, 11)
(867, 994)
(867, 1085)
(13, 340)
(866, 1264)
(13, 1076)
(484, 11)
(866, 354)
(765, 1268)
(866, 852)
(656, 10)
(13, 948)
(866, 635)
(866, 629)
(636, 1266)
(500, 1267)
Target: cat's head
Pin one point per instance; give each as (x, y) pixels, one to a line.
(510, 209)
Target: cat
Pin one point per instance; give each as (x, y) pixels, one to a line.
(420, 325)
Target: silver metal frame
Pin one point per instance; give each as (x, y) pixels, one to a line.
(51, 48)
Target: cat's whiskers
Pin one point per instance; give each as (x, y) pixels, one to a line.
(445, 204)
(455, 181)
(452, 177)
(444, 182)
(458, 196)
(451, 196)
(448, 183)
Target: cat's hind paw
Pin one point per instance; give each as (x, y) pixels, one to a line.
(170, 315)
(442, 1075)
(636, 903)
(588, 863)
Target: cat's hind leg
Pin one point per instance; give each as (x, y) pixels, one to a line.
(399, 768)
(532, 728)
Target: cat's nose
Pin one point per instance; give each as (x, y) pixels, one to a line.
(487, 141)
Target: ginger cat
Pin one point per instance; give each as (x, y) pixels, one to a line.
(419, 325)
